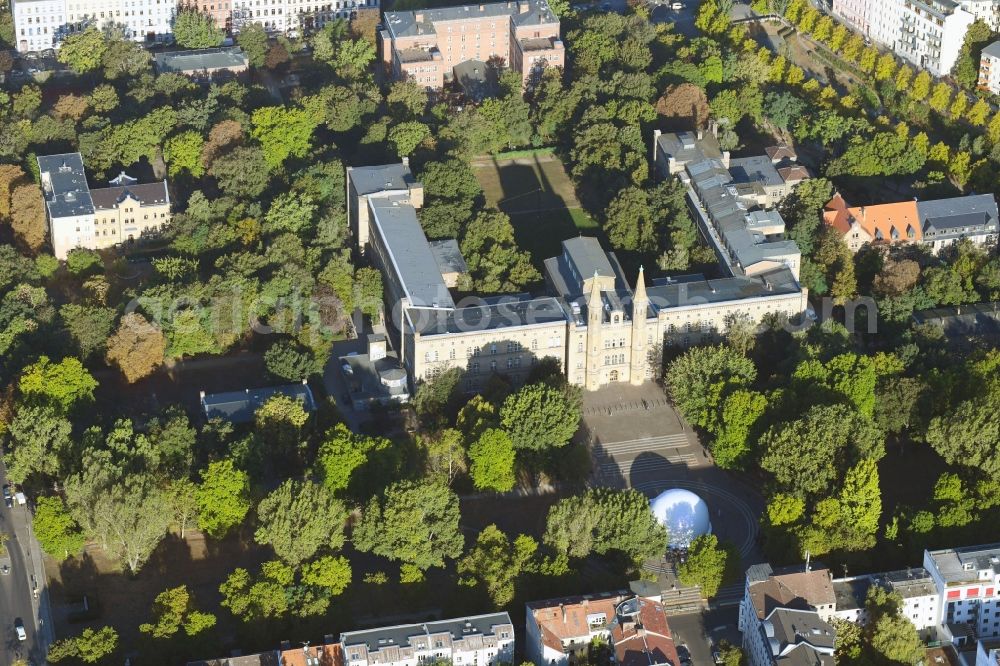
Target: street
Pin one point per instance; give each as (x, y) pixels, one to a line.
(16, 601)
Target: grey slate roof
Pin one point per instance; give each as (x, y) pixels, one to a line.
(413, 262)
(406, 23)
(977, 319)
(587, 257)
(364, 381)
(686, 146)
(675, 294)
(400, 635)
(758, 168)
(787, 626)
(240, 406)
(993, 50)
(201, 59)
(949, 217)
(492, 314)
(448, 256)
(147, 194)
(371, 179)
(805, 655)
(64, 184)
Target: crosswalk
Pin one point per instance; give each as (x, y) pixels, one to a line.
(729, 595)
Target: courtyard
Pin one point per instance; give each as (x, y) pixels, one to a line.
(537, 194)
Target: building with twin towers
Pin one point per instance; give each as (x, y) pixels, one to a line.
(599, 326)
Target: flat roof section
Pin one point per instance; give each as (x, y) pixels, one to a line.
(411, 256)
(64, 184)
(201, 59)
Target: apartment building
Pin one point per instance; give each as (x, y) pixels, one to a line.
(927, 33)
(731, 201)
(784, 616)
(98, 218)
(426, 45)
(481, 640)
(559, 631)
(43, 24)
(39, 24)
(968, 585)
(938, 224)
(989, 68)
(591, 321)
(914, 586)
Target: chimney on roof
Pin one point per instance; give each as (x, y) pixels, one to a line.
(419, 17)
(562, 607)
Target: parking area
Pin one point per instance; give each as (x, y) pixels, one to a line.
(700, 632)
(682, 17)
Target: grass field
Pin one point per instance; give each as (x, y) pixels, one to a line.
(540, 199)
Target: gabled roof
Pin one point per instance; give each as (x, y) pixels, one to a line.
(319, 655)
(798, 590)
(780, 153)
(648, 642)
(794, 174)
(147, 194)
(956, 214)
(883, 222)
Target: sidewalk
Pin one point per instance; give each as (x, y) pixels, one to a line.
(45, 631)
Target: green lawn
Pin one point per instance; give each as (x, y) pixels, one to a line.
(540, 199)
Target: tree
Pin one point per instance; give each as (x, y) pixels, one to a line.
(57, 533)
(966, 69)
(27, 217)
(282, 133)
(740, 411)
(496, 564)
(90, 646)
(782, 108)
(41, 443)
(940, 97)
(784, 509)
(83, 262)
(492, 457)
(90, 326)
(705, 565)
(809, 454)
(969, 435)
(83, 51)
(174, 609)
(342, 452)
(439, 397)
(416, 523)
(979, 112)
(184, 500)
(540, 416)
(958, 106)
(243, 172)
(444, 455)
(495, 262)
(125, 57)
(604, 520)
(253, 40)
(697, 380)
(223, 498)
(183, 152)
(126, 510)
(298, 519)
(686, 104)
(890, 633)
(368, 291)
(406, 136)
(885, 68)
(921, 87)
(137, 347)
(62, 385)
(406, 99)
(629, 221)
(194, 30)
(289, 361)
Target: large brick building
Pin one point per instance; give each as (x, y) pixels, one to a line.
(427, 44)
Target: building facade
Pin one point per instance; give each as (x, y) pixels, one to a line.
(559, 631)
(937, 224)
(98, 218)
(592, 321)
(915, 588)
(39, 24)
(927, 33)
(989, 68)
(426, 45)
(481, 640)
(967, 581)
(43, 24)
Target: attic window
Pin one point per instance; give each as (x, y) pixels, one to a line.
(878, 235)
(910, 233)
(894, 233)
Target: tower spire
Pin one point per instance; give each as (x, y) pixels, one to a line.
(640, 286)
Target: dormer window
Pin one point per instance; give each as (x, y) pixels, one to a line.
(879, 235)
(894, 233)
(910, 233)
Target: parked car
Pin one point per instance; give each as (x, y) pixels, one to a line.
(19, 628)
(5, 570)
(8, 498)
(677, 6)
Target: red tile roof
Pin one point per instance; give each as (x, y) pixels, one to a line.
(329, 655)
(879, 221)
